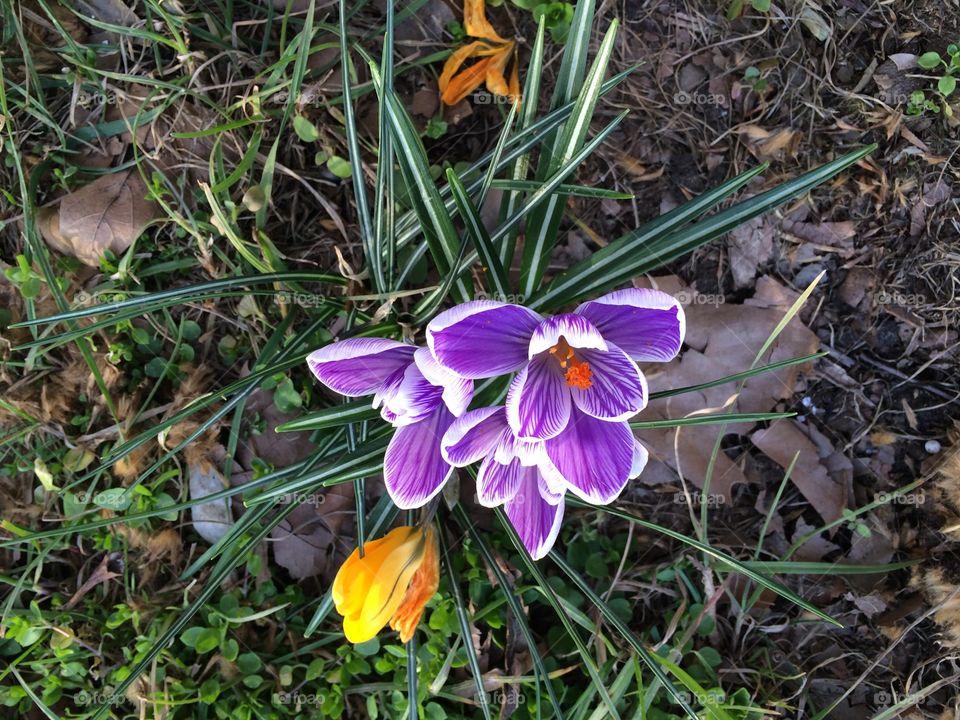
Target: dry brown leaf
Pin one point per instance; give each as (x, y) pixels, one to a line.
(113, 12)
(770, 144)
(211, 520)
(109, 213)
(749, 246)
(110, 567)
(722, 340)
(835, 234)
(315, 538)
(780, 442)
(934, 193)
(814, 549)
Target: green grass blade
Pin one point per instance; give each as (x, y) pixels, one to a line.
(722, 557)
(544, 224)
(565, 190)
(626, 632)
(506, 586)
(336, 416)
(608, 260)
(588, 660)
(680, 242)
(710, 420)
(746, 374)
(466, 631)
(496, 275)
(442, 236)
(173, 296)
(546, 189)
(371, 251)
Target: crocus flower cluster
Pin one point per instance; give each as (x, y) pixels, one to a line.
(563, 427)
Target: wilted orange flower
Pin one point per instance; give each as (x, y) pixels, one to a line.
(393, 581)
(494, 52)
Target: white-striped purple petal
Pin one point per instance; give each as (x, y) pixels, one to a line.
(536, 520)
(414, 469)
(457, 391)
(575, 329)
(618, 389)
(594, 457)
(538, 401)
(552, 485)
(360, 365)
(474, 435)
(648, 325)
(528, 452)
(498, 483)
(414, 398)
(640, 457)
(482, 338)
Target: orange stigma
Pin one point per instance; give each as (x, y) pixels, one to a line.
(578, 371)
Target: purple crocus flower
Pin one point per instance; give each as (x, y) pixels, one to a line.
(520, 475)
(577, 380)
(414, 393)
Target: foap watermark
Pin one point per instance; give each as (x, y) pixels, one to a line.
(299, 298)
(102, 697)
(692, 297)
(487, 98)
(302, 499)
(698, 98)
(515, 299)
(710, 499)
(902, 299)
(901, 499)
(883, 699)
(109, 499)
(504, 696)
(298, 698)
(705, 698)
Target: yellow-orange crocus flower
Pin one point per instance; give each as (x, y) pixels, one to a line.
(392, 582)
(494, 53)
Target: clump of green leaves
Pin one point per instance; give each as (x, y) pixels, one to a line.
(930, 99)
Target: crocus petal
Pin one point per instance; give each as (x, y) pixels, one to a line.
(575, 329)
(386, 392)
(475, 21)
(353, 580)
(457, 391)
(414, 469)
(640, 457)
(453, 83)
(528, 452)
(473, 436)
(594, 456)
(496, 81)
(497, 482)
(548, 492)
(618, 389)
(648, 325)
(536, 521)
(553, 486)
(370, 590)
(360, 365)
(423, 586)
(414, 398)
(482, 338)
(538, 401)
